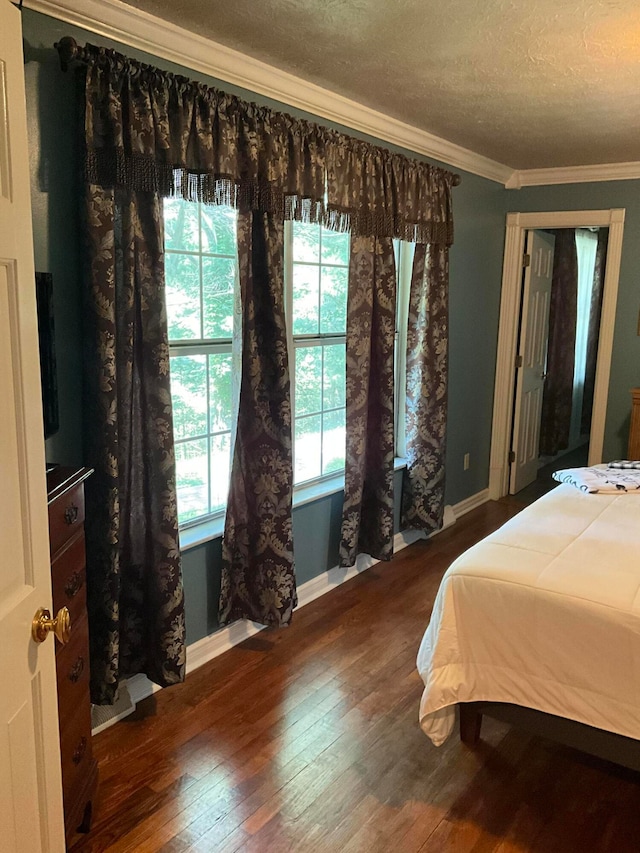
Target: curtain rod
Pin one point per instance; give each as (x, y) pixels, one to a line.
(70, 51)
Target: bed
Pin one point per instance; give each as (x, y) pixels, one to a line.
(543, 614)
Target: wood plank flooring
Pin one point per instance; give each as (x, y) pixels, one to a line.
(307, 739)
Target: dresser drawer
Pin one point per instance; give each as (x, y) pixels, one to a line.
(68, 579)
(66, 515)
(65, 492)
(75, 745)
(72, 669)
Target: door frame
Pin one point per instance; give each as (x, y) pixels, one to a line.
(517, 225)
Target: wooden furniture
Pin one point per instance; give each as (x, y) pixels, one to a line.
(65, 488)
(612, 747)
(634, 431)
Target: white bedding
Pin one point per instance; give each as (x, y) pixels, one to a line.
(544, 613)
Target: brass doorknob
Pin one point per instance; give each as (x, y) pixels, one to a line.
(43, 624)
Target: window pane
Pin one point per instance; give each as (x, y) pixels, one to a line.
(306, 287)
(306, 242)
(335, 247)
(218, 223)
(220, 462)
(308, 387)
(192, 466)
(333, 317)
(218, 278)
(333, 378)
(181, 225)
(308, 448)
(220, 391)
(333, 441)
(188, 378)
(183, 296)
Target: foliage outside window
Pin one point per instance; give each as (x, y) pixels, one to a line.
(202, 306)
(201, 281)
(318, 273)
(201, 272)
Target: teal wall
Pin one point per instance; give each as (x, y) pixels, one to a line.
(476, 265)
(625, 362)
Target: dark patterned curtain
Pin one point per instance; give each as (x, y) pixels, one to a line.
(594, 330)
(134, 587)
(258, 582)
(427, 370)
(151, 130)
(367, 520)
(557, 397)
(157, 134)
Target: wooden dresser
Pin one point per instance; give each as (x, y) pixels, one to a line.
(65, 487)
(634, 432)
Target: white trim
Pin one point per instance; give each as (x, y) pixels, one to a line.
(574, 175)
(517, 224)
(213, 528)
(472, 502)
(208, 648)
(113, 19)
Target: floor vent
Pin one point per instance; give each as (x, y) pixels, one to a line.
(103, 716)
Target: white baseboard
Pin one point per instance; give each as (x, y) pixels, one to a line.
(471, 502)
(204, 650)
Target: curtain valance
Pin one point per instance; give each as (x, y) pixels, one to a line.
(151, 130)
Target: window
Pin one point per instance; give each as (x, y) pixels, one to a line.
(317, 299)
(404, 265)
(201, 273)
(203, 306)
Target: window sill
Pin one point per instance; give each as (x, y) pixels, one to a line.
(213, 528)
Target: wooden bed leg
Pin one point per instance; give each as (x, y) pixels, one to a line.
(470, 723)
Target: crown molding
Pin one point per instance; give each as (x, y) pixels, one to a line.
(574, 175)
(115, 20)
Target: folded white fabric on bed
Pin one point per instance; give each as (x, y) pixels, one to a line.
(600, 480)
(544, 613)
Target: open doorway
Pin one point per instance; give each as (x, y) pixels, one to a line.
(560, 307)
(518, 224)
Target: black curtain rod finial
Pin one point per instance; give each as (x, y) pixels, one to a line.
(68, 50)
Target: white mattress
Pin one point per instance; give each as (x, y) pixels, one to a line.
(545, 613)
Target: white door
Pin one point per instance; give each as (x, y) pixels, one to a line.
(532, 357)
(30, 779)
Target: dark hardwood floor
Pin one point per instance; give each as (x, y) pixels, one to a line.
(307, 739)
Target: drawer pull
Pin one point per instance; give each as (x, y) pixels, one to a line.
(74, 584)
(79, 751)
(76, 670)
(71, 514)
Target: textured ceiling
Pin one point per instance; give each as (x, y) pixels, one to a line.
(530, 84)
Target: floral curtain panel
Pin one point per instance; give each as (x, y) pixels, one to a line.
(157, 134)
(155, 131)
(427, 370)
(557, 398)
(367, 521)
(134, 586)
(258, 581)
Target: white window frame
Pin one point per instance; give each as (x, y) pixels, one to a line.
(203, 528)
(206, 347)
(404, 266)
(333, 479)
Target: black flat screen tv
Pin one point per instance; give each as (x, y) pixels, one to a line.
(46, 339)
